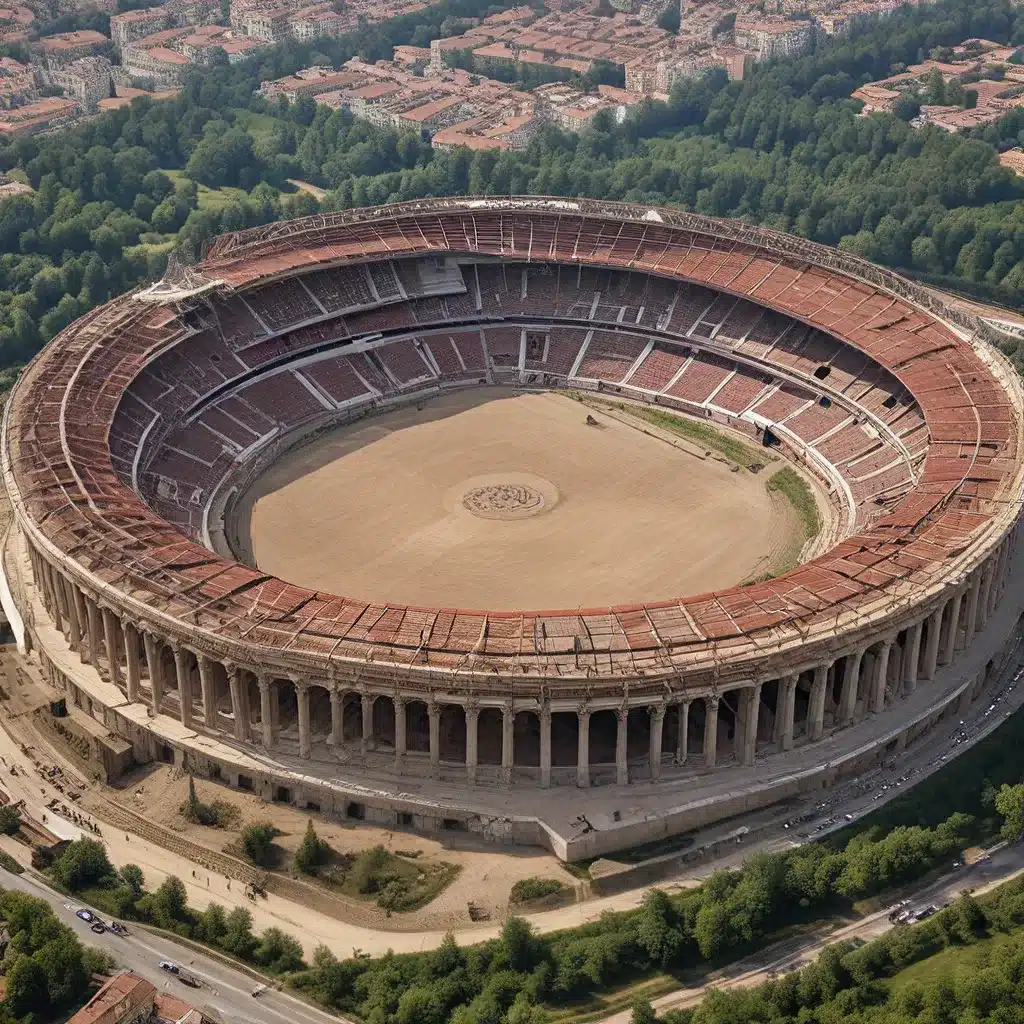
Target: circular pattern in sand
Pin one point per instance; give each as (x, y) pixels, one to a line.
(503, 501)
(508, 496)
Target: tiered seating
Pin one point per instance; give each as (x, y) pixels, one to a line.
(239, 409)
(471, 349)
(689, 304)
(316, 334)
(443, 350)
(282, 398)
(404, 362)
(563, 345)
(218, 421)
(431, 310)
(283, 303)
(741, 389)
(704, 373)
(659, 366)
(340, 287)
(610, 356)
(656, 300)
(765, 333)
(460, 305)
(866, 465)
(372, 373)
(816, 420)
(384, 280)
(806, 351)
(852, 442)
(782, 403)
(237, 323)
(739, 321)
(387, 318)
(336, 378)
(503, 345)
(713, 317)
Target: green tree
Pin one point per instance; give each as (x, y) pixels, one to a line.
(10, 819)
(313, 851)
(278, 952)
(26, 989)
(82, 864)
(1010, 804)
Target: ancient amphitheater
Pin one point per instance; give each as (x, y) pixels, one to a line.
(129, 440)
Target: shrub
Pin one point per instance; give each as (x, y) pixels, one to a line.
(534, 889)
(193, 809)
(83, 864)
(8, 863)
(258, 844)
(10, 820)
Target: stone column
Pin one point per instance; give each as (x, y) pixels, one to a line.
(988, 576)
(434, 715)
(913, 658)
(337, 738)
(266, 712)
(74, 623)
(302, 695)
(621, 763)
(57, 611)
(110, 642)
(972, 606)
(682, 739)
(751, 713)
(710, 730)
(545, 746)
(931, 650)
(848, 696)
(208, 687)
(951, 634)
(657, 713)
(93, 615)
(239, 704)
(81, 606)
(131, 652)
(184, 686)
(366, 706)
(583, 747)
(878, 682)
(786, 705)
(508, 721)
(472, 739)
(400, 730)
(156, 677)
(816, 711)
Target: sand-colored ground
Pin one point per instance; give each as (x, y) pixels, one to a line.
(612, 515)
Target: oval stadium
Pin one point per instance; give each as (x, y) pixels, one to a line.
(563, 522)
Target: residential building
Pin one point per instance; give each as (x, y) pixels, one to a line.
(88, 80)
(769, 39)
(42, 115)
(126, 28)
(18, 83)
(66, 47)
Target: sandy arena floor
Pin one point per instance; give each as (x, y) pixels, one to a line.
(479, 501)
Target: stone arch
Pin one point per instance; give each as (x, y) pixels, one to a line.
(417, 727)
(729, 726)
(452, 736)
(384, 721)
(604, 728)
(489, 736)
(638, 734)
(526, 739)
(670, 728)
(319, 712)
(695, 725)
(221, 687)
(351, 717)
(565, 738)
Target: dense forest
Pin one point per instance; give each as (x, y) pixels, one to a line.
(785, 147)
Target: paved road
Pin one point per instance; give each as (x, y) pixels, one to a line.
(224, 990)
(1002, 864)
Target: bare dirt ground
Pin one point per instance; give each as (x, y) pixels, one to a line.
(485, 879)
(377, 509)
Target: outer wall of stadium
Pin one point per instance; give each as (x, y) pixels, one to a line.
(130, 435)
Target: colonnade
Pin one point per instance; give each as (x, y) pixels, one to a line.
(597, 740)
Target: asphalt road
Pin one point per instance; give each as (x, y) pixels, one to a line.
(224, 991)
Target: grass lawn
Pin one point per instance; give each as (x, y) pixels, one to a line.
(209, 198)
(956, 960)
(259, 126)
(702, 434)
